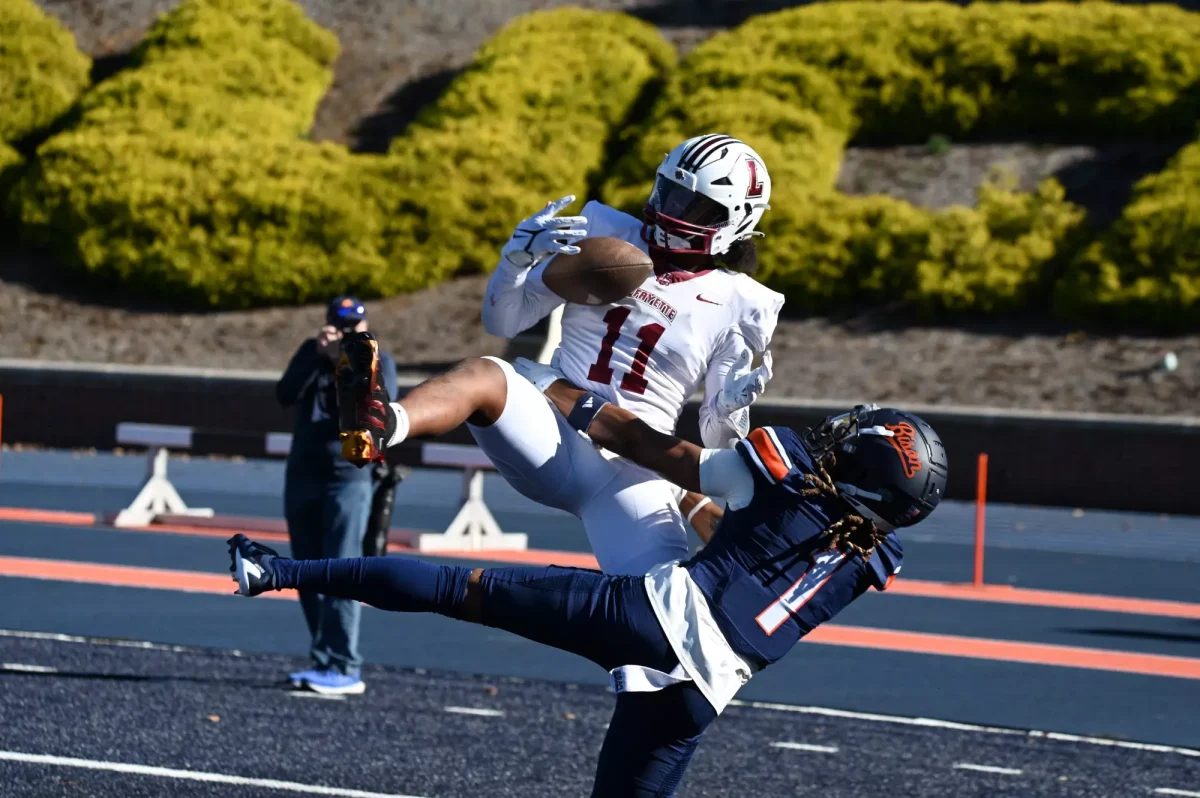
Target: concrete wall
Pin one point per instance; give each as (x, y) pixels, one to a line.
(1073, 460)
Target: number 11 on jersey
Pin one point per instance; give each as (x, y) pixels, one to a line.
(635, 380)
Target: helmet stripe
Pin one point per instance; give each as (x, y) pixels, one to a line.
(701, 154)
(683, 159)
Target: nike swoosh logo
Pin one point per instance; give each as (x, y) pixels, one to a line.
(709, 301)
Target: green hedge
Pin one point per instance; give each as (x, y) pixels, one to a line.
(185, 176)
(1146, 268)
(798, 85)
(529, 121)
(249, 68)
(10, 162)
(41, 70)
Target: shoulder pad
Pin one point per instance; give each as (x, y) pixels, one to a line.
(776, 455)
(758, 311)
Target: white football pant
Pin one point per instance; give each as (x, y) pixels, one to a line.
(630, 514)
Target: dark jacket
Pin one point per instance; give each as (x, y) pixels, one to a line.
(308, 383)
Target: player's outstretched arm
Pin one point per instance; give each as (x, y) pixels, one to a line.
(515, 303)
(623, 433)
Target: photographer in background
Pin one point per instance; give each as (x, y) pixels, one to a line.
(326, 500)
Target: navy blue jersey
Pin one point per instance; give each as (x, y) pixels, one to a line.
(768, 573)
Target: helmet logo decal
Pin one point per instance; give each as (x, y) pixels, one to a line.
(903, 440)
(756, 184)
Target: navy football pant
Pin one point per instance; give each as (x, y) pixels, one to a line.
(607, 619)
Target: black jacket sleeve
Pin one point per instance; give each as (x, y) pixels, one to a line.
(298, 374)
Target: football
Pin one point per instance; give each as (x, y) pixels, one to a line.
(605, 270)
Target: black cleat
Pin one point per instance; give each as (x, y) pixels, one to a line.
(252, 566)
(364, 411)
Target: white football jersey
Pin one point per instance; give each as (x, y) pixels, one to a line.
(650, 352)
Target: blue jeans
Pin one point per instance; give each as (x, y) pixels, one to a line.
(607, 619)
(328, 519)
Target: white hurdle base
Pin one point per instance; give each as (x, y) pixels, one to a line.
(474, 528)
(157, 496)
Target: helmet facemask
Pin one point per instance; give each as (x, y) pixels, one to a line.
(681, 221)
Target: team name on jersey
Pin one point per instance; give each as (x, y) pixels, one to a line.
(654, 301)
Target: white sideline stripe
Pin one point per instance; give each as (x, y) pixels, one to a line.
(804, 710)
(104, 641)
(20, 668)
(820, 749)
(987, 769)
(969, 727)
(300, 694)
(1173, 791)
(487, 713)
(192, 775)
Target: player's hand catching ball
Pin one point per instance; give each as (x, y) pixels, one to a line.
(545, 234)
(743, 385)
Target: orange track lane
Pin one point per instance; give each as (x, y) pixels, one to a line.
(998, 594)
(859, 637)
(122, 576)
(1007, 651)
(46, 516)
(1006, 594)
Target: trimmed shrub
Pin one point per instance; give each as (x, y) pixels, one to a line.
(185, 176)
(10, 163)
(1146, 268)
(215, 66)
(798, 85)
(41, 70)
(528, 122)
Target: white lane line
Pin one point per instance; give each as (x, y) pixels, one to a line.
(806, 710)
(104, 641)
(487, 713)
(1173, 791)
(987, 769)
(301, 694)
(967, 727)
(192, 775)
(17, 667)
(1075, 738)
(819, 749)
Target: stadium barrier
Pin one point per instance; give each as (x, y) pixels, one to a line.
(1097, 461)
(473, 528)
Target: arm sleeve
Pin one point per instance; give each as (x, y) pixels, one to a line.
(298, 374)
(516, 299)
(717, 431)
(725, 475)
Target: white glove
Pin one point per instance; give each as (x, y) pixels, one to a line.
(743, 385)
(545, 234)
(540, 374)
(725, 418)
